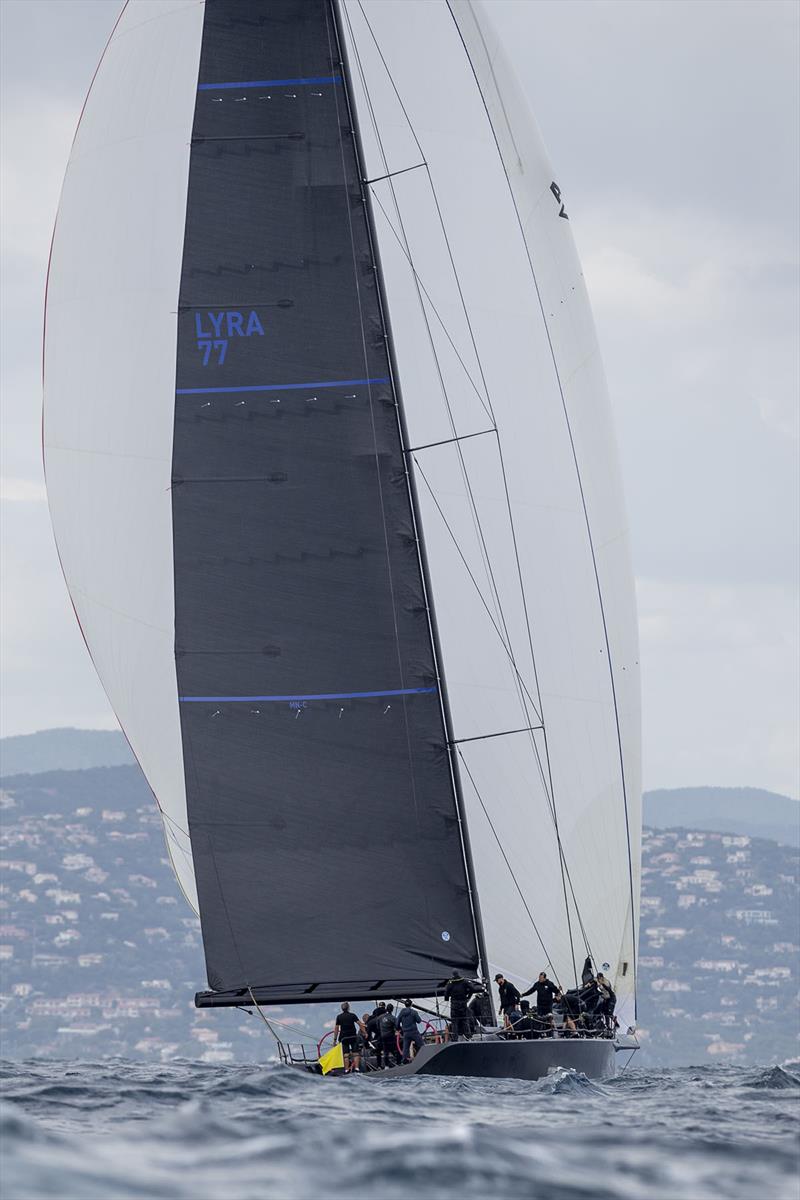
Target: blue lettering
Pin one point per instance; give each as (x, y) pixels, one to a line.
(216, 321)
(234, 324)
(254, 325)
(198, 324)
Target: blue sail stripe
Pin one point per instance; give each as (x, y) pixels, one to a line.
(301, 81)
(281, 387)
(307, 696)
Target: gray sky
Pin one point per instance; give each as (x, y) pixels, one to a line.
(673, 127)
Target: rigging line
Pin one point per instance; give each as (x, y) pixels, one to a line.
(171, 820)
(285, 1025)
(472, 578)
(476, 518)
(519, 568)
(352, 126)
(550, 796)
(438, 209)
(263, 1018)
(473, 506)
(566, 872)
(510, 869)
(488, 398)
(465, 473)
(484, 737)
(467, 483)
(411, 128)
(394, 174)
(502, 464)
(406, 251)
(434, 309)
(449, 441)
(413, 499)
(577, 473)
(564, 869)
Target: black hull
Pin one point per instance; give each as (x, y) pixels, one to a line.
(494, 1058)
(595, 1058)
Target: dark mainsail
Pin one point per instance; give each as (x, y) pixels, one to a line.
(324, 826)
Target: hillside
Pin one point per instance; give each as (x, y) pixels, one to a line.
(753, 811)
(63, 750)
(101, 956)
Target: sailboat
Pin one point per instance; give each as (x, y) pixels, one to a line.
(333, 481)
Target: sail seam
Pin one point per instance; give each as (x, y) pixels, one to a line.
(294, 696)
(282, 387)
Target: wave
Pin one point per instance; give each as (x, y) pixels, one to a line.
(134, 1131)
(777, 1079)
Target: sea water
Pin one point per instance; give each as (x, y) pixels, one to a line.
(120, 1129)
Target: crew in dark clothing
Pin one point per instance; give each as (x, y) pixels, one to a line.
(373, 1025)
(587, 973)
(458, 992)
(573, 1011)
(388, 1031)
(475, 1011)
(409, 1021)
(520, 1023)
(544, 991)
(346, 1032)
(590, 995)
(606, 1002)
(509, 996)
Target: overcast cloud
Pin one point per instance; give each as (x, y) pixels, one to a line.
(674, 131)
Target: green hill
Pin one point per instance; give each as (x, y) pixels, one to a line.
(63, 750)
(750, 811)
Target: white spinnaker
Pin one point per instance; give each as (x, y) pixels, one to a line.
(109, 380)
(492, 327)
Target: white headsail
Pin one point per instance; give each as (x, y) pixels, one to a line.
(523, 517)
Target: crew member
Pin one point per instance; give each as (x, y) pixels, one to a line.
(509, 996)
(345, 1030)
(607, 1001)
(458, 992)
(388, 1030)
(373, 1025)
(544, 991)
(409, 1020)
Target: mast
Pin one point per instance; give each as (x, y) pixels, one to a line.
(414, 502)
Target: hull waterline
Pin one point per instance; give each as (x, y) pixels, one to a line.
(594, 1058)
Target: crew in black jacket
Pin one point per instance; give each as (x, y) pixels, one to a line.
(458, 992)
(544, 991)
(509, 996)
